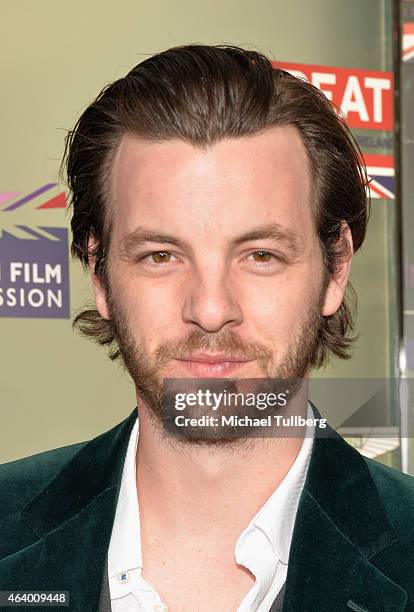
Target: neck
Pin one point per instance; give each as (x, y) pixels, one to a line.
(183, 485)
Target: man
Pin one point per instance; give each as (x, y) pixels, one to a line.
(217, 203)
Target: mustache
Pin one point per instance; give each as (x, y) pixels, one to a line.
(228, 343)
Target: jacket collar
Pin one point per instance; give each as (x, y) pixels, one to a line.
(341, 524)
(73, 517)
(93, 471)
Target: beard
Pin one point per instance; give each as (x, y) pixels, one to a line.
(159, 394)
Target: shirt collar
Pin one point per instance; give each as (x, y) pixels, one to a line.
(124, 553)
(277, 517)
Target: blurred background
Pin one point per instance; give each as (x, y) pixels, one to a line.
(55, 387)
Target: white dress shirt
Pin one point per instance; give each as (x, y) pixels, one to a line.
(263, 547)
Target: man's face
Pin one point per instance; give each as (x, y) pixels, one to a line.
(213, 252)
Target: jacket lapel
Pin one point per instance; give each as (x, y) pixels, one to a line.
(73, 517)
(341, 525)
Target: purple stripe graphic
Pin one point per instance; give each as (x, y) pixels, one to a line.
(29, 197)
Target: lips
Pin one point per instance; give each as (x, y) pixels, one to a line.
(213, 359)
(206, 366)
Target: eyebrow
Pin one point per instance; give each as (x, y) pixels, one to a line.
(272, 231)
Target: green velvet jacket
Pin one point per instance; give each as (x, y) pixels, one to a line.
(352, 546)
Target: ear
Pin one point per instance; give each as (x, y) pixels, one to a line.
(337, 284)
(97, 284)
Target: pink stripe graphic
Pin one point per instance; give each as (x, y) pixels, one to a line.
(29, 197)
(5, 196)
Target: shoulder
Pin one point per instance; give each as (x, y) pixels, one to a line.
(21, 480)
(56, 480)
(389, 477)
(396, 490)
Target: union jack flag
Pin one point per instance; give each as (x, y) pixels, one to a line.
(381, 173)
(408, 42)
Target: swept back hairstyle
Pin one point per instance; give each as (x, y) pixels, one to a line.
(202, 94)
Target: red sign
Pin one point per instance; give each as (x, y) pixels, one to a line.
(364, 96)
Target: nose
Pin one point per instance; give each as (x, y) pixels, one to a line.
(211, 302)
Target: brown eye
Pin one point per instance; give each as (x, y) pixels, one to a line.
(262, 256)
(160, 257)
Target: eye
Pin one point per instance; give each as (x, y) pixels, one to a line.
(157, 257)
(263, 257)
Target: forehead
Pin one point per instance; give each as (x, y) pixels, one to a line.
(235, 182)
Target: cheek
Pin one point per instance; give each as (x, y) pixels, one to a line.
(152, 311)
(273, 316)
(277, 310)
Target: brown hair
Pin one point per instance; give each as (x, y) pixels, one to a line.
(202, 94)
